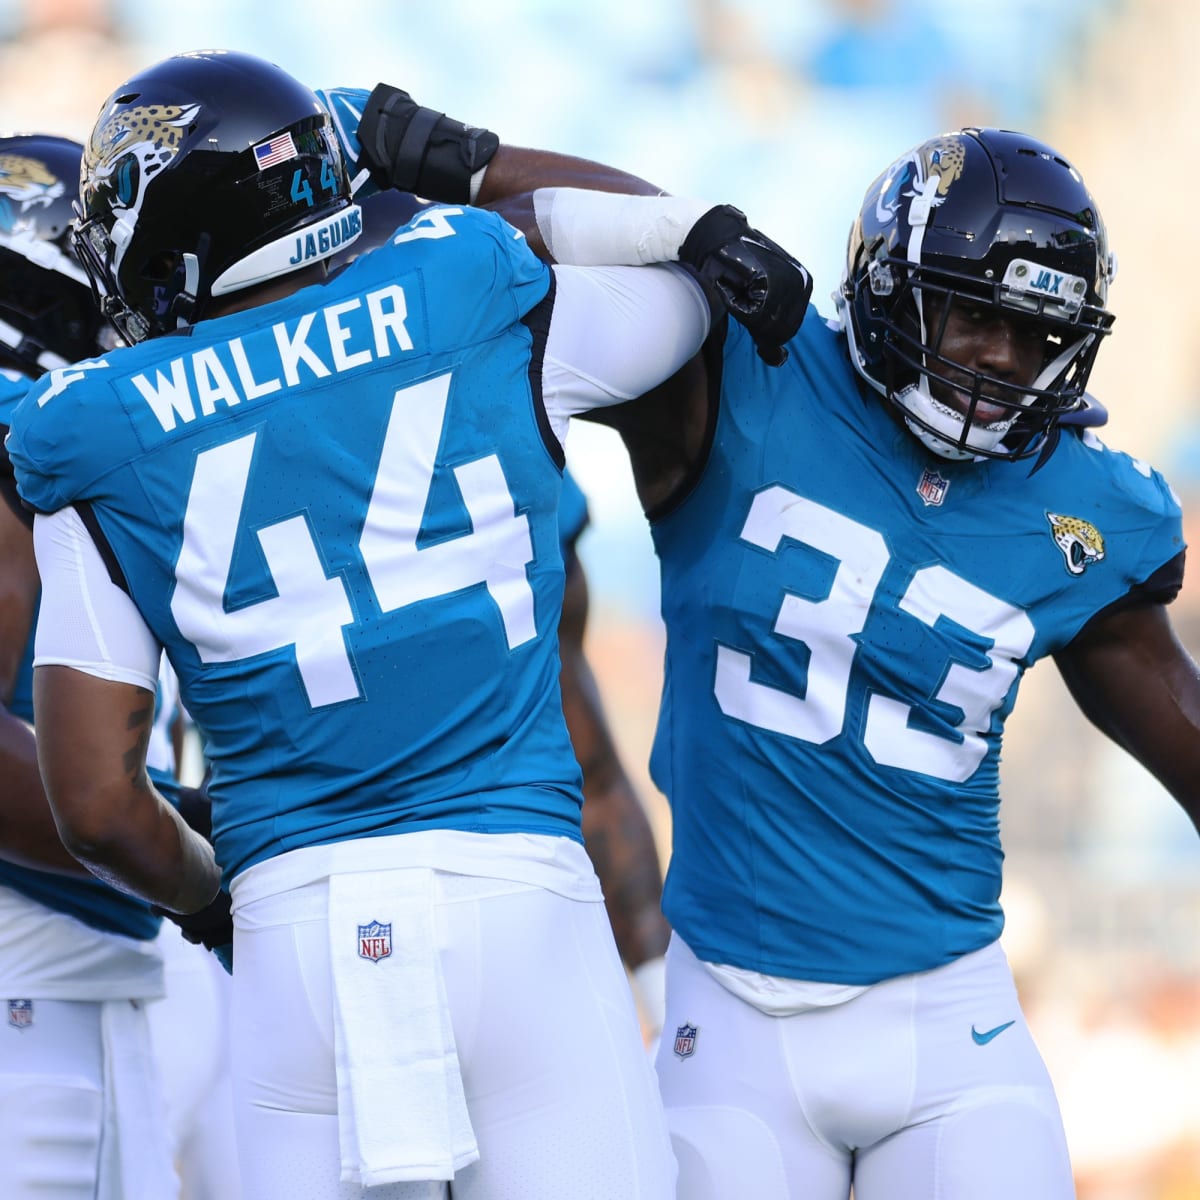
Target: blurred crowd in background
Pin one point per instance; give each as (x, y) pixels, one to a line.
(789, 111)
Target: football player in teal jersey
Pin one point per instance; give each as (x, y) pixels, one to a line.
(616, 830)
(862, 552)
(333, 500)
(80, 1100)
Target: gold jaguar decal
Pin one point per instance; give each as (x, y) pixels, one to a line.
(27, 180)
(943, 159)
(25, 185)
(924, 176)
(151, 133)
(1080, 541)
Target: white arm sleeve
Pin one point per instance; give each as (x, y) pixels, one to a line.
(587, 229)
(85, 621)
(615, 333)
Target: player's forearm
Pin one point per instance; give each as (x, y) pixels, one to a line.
(621, 846)
(28, 834)
(147, 850)
(92, 739)
(516, 169)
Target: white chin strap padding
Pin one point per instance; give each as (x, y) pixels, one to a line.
(939, 428)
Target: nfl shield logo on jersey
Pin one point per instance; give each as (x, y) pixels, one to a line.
(20, 1013)
(685, 1041)
(932, 487)
(374, 941)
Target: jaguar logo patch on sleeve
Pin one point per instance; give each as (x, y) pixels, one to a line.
(1080, 541)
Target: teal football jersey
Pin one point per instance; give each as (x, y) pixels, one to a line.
(338, 513)
(848, 620)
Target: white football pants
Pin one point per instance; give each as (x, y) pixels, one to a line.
(189, 1030)
(561, 1096)
(924, 1087)
(62, 1134)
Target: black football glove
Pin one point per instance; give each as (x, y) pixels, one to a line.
(760, 283)
(420, 150)
(195, 807)
(211, 927)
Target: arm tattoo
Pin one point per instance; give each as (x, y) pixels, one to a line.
(139, 723)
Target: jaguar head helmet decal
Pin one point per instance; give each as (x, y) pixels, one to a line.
(129, 146)
(927, 173)
(1080, 541)
(25, 184)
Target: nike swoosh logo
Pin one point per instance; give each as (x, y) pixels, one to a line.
(982, 1039)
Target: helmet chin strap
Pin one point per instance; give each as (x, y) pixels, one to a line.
(183, 307)
(939, 428)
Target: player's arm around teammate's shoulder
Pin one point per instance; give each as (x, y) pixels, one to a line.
(558, 201)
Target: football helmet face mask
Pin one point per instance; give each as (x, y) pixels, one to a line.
(984, 221)
(48, 315)
(205, 174)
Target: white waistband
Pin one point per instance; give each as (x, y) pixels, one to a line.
(47, 955)
(557, 864)
(778, 996)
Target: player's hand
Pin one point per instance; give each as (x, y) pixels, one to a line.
(407, 146)
(760, 283)
(211, 927)
(195, 807)
(650, 992)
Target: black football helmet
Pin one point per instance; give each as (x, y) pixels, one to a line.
(992, 218)
(205, 174)
(48, 316)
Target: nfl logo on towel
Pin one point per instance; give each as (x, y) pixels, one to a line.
(685, 1041)
(20, 1013)
(278, 149)
(374, 941)
(932, 488)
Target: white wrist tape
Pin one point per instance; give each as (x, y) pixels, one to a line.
(477, 182)
(595, 229)
(650, 990)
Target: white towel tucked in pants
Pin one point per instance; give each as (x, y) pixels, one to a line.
(560, 1094)
(402, 1114)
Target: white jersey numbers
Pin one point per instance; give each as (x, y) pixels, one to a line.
(829, 627)
(311, 608)
(496, 550)
(933, 593)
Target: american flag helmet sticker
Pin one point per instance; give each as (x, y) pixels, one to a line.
(278, 149)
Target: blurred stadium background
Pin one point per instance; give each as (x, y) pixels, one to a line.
(789, 110)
